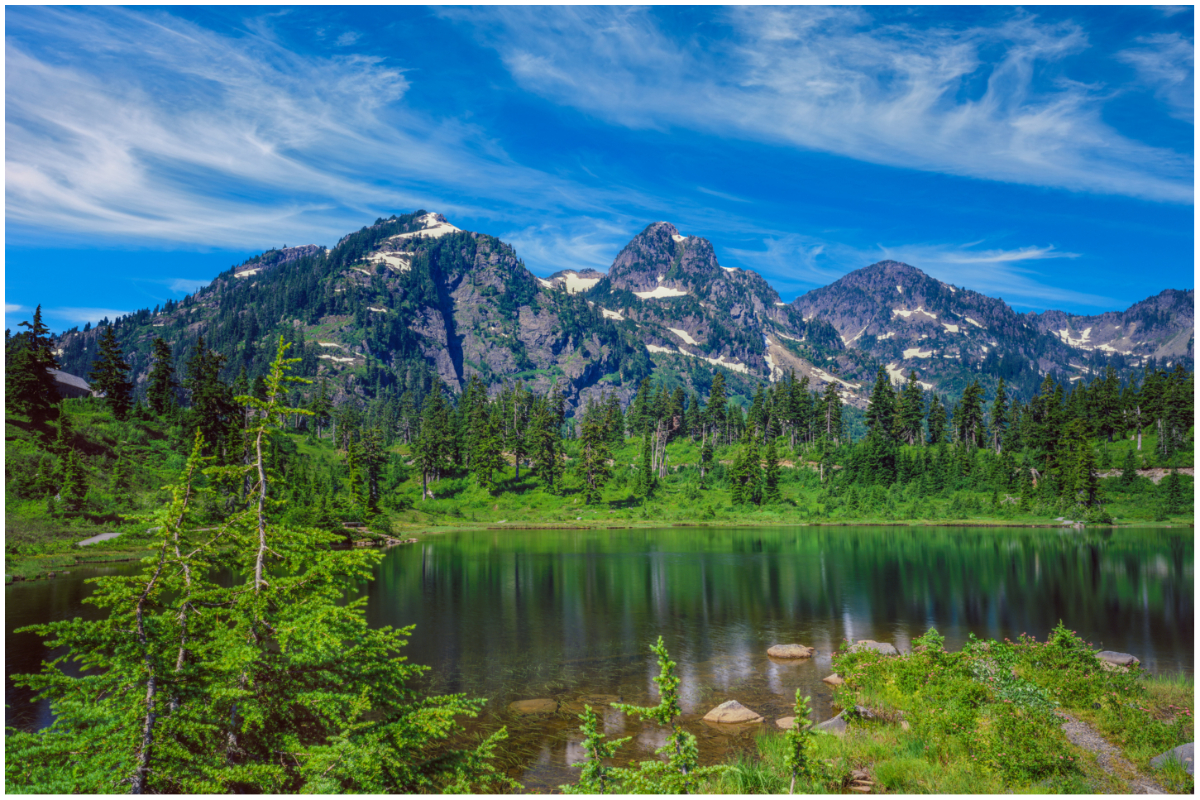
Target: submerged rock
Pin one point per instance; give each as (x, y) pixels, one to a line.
(833, 680)
(879, 647)
(540, 706)
(791, 651)
(732, 712)
(1183, 754)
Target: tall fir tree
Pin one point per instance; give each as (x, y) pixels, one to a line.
(160, 391)
(110, 374)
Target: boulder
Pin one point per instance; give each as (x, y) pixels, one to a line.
(1117, 659)
(785, 723)
(836, 726)
(791, 651)
(879, 647)
(540, 706)
(732, 712)
(833, 680)
(1182, 754)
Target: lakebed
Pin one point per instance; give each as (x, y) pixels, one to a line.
(568, 615)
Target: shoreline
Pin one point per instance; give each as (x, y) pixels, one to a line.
(33, 568)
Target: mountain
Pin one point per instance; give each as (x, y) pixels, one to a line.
(412, 298)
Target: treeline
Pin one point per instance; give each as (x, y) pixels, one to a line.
(1038, 451)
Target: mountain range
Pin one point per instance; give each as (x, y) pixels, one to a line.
(413, 296)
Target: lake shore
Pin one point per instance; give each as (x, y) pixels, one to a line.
(132, 545)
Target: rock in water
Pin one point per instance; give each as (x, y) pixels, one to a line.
(539, 706)
(1182, 754)
(732, 712)
(786, 723)
(833, 680)
(836, 726)
(791, 651)
(1117, 659)
(879, 647)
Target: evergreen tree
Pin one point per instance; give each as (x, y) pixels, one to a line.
(771, 493)
(110, 374)
(1128, 471)
(373, 460)
(213, 411)
(910, 411)
(968, 419)
(191, 686)
(160, 393)
(1174, 497)
(488, 461)
(937, 421)
(433, 441)
(716, 406)
(881, 408)
(74, 486)
(122, 478)
(999, 416)
(28, 386)
(645, 478)
(706, 460)
(832, 413)
(593, 455)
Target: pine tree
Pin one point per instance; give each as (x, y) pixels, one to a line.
(373, 459)
(593, 455)
(737, 478)
(968, 419)
(771, 493)
(881, 408)
(706, 460)
(110, 374)
(1174, 497)
(488, 461)
(646, 478)
(716, 406)
(122, 478)
(74, 486)
(1128, 471)
(999, 416)
(937, 421)
(28, 386)
(432, 445)
(160, 393)
(910, 411)
(197, 687)
(832, 413)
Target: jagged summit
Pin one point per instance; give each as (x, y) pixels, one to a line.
(412, 295)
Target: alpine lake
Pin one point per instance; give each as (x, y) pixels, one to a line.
(569, 615)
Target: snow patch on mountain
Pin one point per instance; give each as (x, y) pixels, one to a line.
(719, 361)
(659, 292)
(434, 226)
(950, 328)
(401, 262)
(545, 283)
(825, 376)
(916, 352)
(898, 377)
(973, 322)
(611, 314)
(682, 334)
(677, 237)
(906, 313)
(1065, 335)
(380, 310)
(887, 335)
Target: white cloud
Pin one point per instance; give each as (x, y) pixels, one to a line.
(136, 125)
(348, 38)
(580, 244)
(1166, 64)
(832, 79)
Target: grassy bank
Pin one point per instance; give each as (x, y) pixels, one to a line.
(988, 720)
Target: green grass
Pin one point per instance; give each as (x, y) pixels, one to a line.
(982, 721)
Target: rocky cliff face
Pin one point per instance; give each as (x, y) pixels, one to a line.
(415, 292)
(1161, 327)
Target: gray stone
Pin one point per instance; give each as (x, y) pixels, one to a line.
(833, 680)
(879, 647)
(790, 651)
(1117, 659)
(1182, 754)
(732, 712)
(786, 723)
(836, 726)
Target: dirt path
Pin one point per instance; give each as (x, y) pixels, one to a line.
(1108, 757)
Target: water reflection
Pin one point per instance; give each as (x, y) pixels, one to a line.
(569, 615)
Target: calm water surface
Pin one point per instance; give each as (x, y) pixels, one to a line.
(511, 615)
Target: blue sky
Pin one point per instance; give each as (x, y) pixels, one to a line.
(1043, 154)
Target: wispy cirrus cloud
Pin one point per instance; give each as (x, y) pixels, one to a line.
(834, 80)
(1165, 63)
(124, 123)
